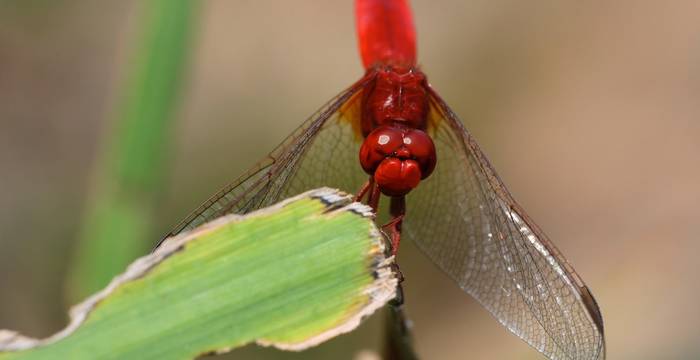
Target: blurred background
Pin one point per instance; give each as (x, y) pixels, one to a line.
(589, 110)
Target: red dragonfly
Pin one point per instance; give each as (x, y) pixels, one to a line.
(443, 193)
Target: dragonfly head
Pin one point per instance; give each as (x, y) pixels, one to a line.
(398, 157)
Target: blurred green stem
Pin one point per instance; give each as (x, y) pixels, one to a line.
(118, 222)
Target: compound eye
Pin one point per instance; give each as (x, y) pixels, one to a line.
(421, 148)
(379, 144)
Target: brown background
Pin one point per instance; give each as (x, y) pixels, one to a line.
(588, 109)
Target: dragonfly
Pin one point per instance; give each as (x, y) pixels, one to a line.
(391, 136)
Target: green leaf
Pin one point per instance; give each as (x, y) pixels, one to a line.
(290, 276)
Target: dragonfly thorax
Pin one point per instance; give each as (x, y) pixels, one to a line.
(398, 158)
(395, 95)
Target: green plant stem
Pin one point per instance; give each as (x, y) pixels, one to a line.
(129, 172)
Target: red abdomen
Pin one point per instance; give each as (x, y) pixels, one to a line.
(386, 33)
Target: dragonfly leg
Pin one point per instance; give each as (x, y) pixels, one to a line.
(373, 200)
(371, 189)
(397, 210)
(365, 188)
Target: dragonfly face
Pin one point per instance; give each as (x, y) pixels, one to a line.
(397, 157)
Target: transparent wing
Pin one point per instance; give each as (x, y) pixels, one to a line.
(323, 151)
(467, 223)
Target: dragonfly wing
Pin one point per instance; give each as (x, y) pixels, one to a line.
(468, 224)
(323, 151)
